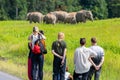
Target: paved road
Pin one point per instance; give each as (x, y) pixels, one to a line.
(5, 76)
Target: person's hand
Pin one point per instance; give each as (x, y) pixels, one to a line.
(97, 67)
(62, 62)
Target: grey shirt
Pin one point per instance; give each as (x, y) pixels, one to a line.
(100, 53)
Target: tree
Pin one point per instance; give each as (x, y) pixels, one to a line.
(43, 6)
(3, 13)
(98, 7)
(113, 8)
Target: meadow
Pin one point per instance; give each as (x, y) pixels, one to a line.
(14, 40)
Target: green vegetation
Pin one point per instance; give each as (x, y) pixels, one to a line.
(17, 9)
(14, 50)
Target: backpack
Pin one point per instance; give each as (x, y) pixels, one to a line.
(42, 46)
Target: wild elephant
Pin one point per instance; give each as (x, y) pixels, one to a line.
(49, 18)
(83, 15)
(35, 17)
(60, 15)
(71, 18)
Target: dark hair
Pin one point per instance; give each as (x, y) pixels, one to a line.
(36, 42)
(41, 31)
(82, 41)
(93, 40)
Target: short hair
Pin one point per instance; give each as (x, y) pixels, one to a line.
(93, 40)
(61, 35)
(36, 42)
(41, 31)
(82, 41)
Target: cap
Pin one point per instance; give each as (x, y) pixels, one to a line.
(35, 29)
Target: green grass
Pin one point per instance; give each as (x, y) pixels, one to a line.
(13, 45)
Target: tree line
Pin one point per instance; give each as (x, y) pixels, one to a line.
(18, 9)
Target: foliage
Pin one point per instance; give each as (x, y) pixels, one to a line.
(113, 8)
(17, 9)
(98, 7)
(13, 9)
(13, 41)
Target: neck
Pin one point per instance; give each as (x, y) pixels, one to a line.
(94, 44)
(82, 45)
(60, 39)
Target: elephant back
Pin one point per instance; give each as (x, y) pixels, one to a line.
(71, 18)
(50, 18)
(35, 17)
(60, 15)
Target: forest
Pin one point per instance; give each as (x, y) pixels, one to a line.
(18, 9)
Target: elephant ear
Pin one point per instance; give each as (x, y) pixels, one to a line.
(88, 14)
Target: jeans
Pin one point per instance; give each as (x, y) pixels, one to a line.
(37, 64)
(58, 69)
(83, 76)
(93, 71)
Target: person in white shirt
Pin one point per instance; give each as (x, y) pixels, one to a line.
(68, 76)
(81, 61)
(97, 61)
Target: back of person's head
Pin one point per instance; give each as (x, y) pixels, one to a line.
(61, 35)
(93, 40)
(82, 41)
(41, 31)
(36, 42)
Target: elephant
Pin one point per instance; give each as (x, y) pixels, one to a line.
(83, 15)
(71, 18)
(49, 19)
(35, 17)
(60, 15)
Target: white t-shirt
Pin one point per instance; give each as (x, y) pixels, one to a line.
(81, 62)
(35, 37)
(67, 75)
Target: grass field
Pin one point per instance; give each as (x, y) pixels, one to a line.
(14, 50)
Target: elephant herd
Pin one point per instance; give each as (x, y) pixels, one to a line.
(60, 16)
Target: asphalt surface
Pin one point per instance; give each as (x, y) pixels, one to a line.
(6, 76)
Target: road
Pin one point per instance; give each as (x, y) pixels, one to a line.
(5, 76)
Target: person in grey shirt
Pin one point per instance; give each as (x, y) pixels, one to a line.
(97, 61)
(81, 61)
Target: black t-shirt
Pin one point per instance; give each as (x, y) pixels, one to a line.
(59, 47)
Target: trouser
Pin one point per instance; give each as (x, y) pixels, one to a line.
(30, 66)
(37, 64)
(77, 76)
(58, 69)
(95, 72)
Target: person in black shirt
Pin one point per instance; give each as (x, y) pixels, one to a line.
(59, 49)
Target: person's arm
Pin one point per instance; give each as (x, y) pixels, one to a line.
(70, 77)
(53, 51)
(102, 60)
(30, 37)
(91, 61)
(57, 54)
(75, 56)
(92, 53)
(64, 56)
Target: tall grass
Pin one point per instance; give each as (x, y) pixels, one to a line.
(13, 44)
